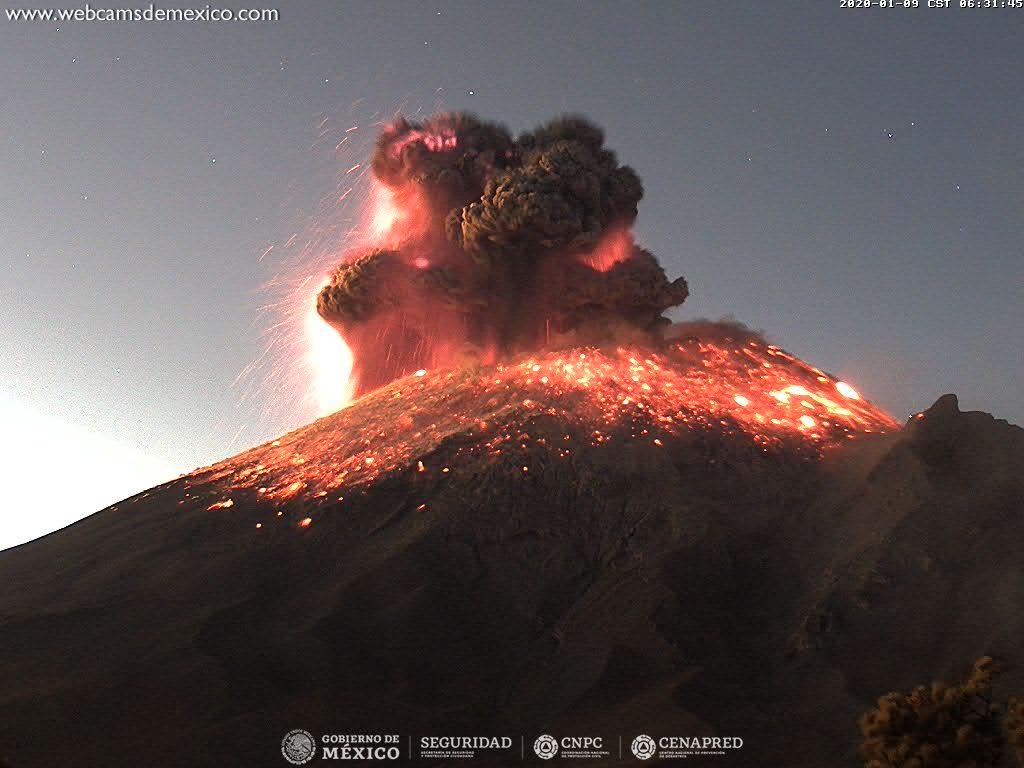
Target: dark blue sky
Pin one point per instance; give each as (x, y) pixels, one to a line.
(849, 181)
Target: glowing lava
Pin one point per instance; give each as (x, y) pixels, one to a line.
(741, 389)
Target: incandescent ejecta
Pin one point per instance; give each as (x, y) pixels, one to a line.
(488, 245)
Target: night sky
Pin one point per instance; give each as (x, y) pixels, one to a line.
(848, 181)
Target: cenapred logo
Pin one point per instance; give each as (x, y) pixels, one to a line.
(643, 747)
(298, 746)
(546, 747)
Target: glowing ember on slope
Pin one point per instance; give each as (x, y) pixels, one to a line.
(846, 390)
(744, 389)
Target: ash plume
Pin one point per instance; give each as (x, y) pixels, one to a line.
(723, 329)
(490, 245)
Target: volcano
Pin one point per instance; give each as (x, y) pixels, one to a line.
(709, 537)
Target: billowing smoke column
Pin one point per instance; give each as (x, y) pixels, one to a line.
(490, 245)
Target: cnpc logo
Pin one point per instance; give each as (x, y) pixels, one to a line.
(547, 746)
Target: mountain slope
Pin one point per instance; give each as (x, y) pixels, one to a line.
(503, 551)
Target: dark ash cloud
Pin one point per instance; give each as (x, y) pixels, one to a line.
(502, 245)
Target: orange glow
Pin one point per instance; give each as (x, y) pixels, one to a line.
(394, 215)
(607, 396)
(329, 360)
(846, 390)
(384, 212)
(305, 522)
(614, 248)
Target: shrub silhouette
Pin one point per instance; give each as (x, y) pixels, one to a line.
(1014, 724)
(938, 726)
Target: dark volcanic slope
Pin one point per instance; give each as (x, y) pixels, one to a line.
(701, 581)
